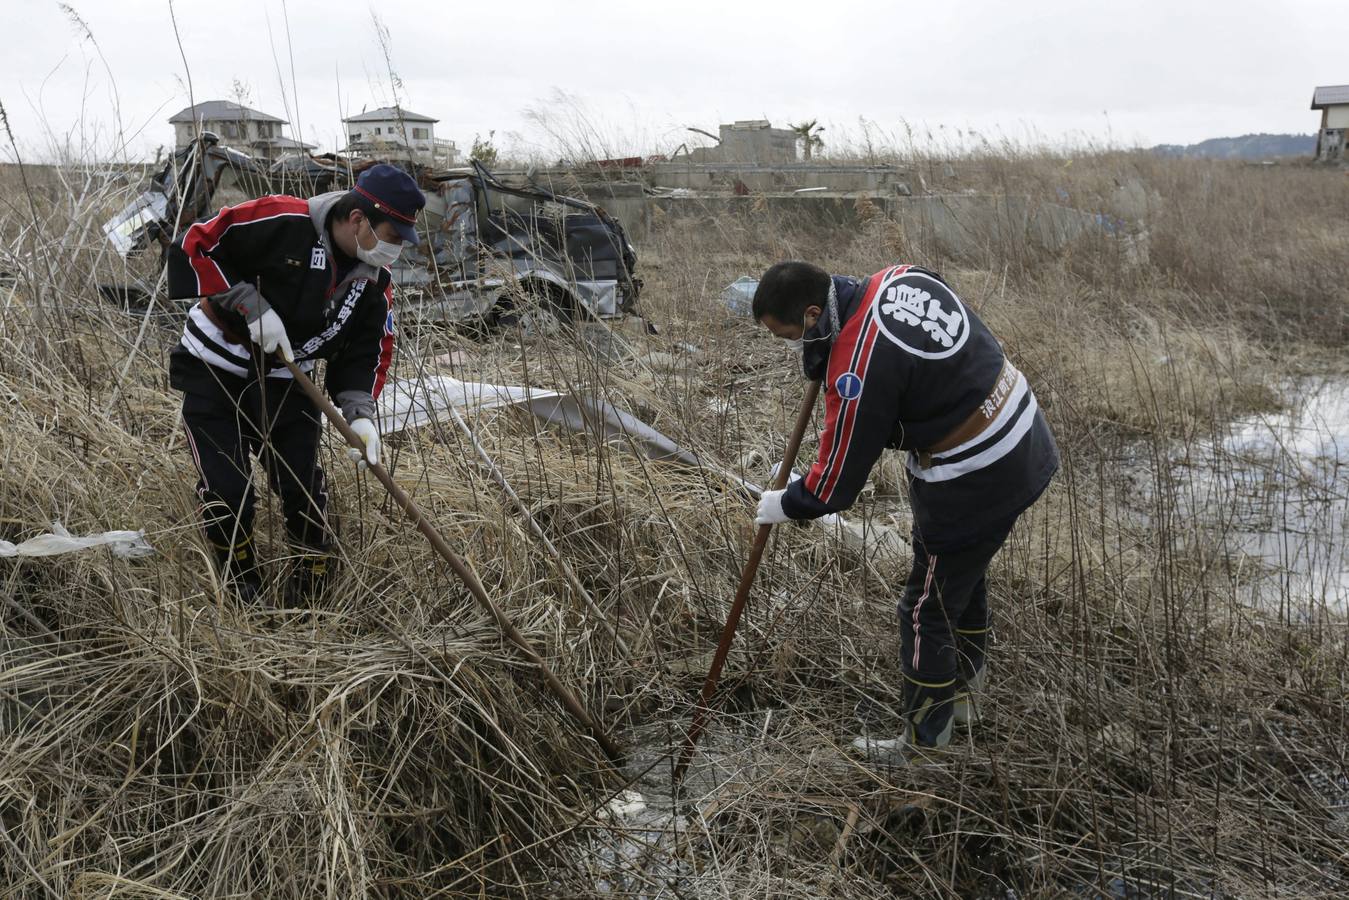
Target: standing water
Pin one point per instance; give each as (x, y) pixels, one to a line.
(1277, 485)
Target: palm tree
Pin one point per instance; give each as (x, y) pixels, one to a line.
(808, 133)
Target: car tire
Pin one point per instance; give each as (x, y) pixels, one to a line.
(538, 307)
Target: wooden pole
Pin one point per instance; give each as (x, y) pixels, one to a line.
(704, 707)
(460, 567)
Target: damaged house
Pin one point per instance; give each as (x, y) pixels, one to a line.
(1333, 102)
(237, 125)
(394, 131)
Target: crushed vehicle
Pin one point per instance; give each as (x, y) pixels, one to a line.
(181, 192)
(490, 249)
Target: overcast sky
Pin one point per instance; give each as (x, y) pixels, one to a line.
(636, 74)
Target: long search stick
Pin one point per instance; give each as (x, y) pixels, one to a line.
(460, 566)
(704, 707)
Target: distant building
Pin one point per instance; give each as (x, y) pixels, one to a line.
(1333, 101)
(757, 141)
(391, 130)
(237, 126)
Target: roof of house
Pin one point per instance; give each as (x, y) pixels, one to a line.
(221, 111)
(389, 114)
(1330, 95)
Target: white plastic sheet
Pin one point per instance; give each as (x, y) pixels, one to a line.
(124, 544)
(414, 403)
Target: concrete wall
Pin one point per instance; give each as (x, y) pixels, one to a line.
(981, 227)
(757, 145)
(789, 177)
(968, 227)
(772, 210)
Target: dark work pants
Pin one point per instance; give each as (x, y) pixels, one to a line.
(943, 627)
(229, 420)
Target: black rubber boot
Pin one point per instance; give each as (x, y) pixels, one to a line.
(310, 575)
(238, 570)
(971, 646)
(928, 723)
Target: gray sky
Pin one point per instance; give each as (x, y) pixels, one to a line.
(1139, 72)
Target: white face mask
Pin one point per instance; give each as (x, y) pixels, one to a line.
(382, 254)
(798, 345)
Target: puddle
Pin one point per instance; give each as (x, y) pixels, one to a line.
(1292, 492)
(1275, 489)
(643, 845)
(656, 840)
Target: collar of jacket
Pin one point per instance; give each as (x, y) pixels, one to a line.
(319, 207)
(815, 356)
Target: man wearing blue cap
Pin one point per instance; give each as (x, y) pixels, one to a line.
(305, 280)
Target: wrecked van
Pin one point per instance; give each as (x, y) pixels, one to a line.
(490, 249)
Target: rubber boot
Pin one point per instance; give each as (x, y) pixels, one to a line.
(310, 574)
(963, 712)
(971, 653)
(927, 707)
(905, 749)
(237, 566)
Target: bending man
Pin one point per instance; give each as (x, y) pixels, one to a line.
(907, 365)
(308, 280)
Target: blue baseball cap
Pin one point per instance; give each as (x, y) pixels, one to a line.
(392, 193)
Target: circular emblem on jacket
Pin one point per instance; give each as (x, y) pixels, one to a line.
(921, 315)
(848, 385)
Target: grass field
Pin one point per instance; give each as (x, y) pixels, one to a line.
(1159, 722)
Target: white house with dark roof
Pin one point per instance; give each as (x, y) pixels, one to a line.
(237, 126)
(394, 130)
(1333, 101)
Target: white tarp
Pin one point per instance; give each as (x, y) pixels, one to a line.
(124, 544)
(413, 403)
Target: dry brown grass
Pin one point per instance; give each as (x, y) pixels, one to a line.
(1148, 728)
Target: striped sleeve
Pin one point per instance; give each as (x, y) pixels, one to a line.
(386, 342)
(862, 386)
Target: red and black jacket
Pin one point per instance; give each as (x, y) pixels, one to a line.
(911, 363)
(276, 252)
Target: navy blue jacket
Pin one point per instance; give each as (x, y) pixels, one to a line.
(276, 251)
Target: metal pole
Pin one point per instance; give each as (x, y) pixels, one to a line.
(704, 707)
(460, 567)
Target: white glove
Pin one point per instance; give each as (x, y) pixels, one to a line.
(770, 509)
(269, 333)
(369, 435)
